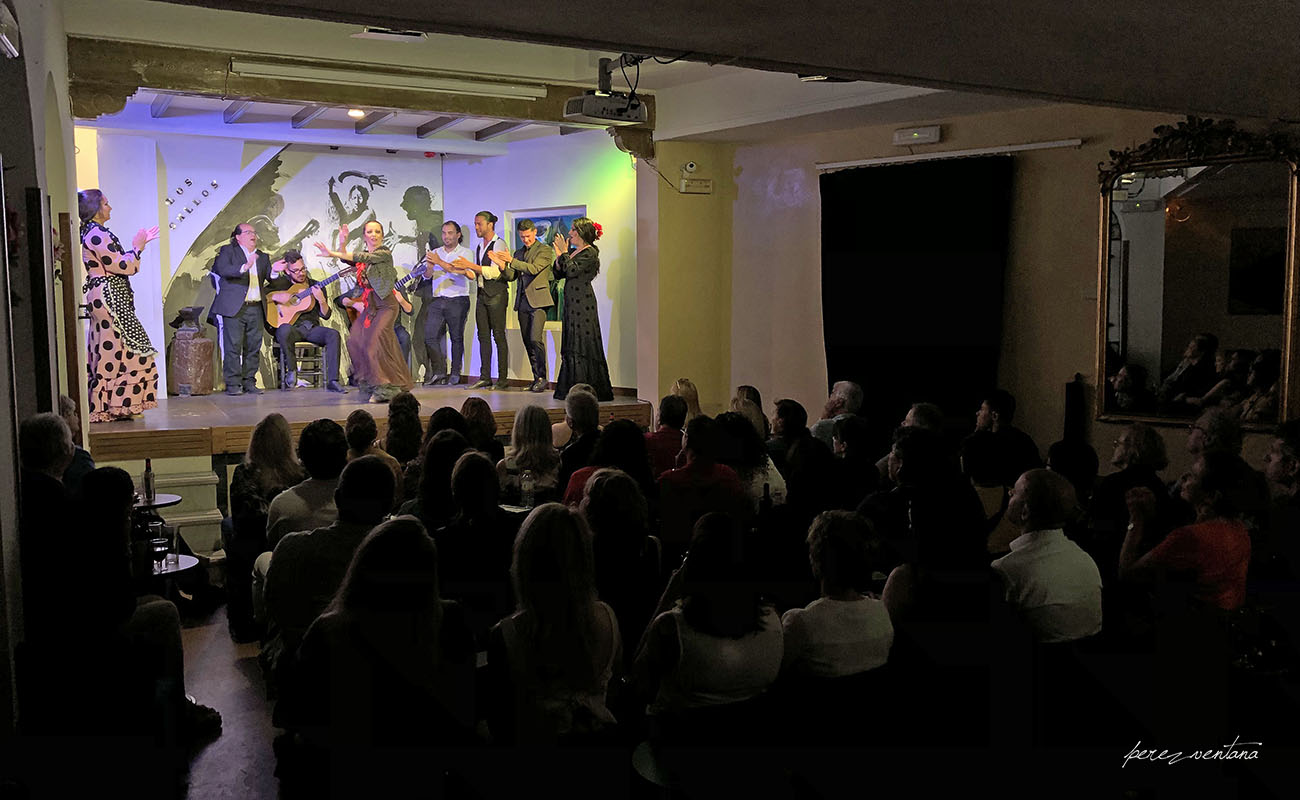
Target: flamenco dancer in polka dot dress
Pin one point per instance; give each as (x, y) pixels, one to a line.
(120, 358)
(582, 353)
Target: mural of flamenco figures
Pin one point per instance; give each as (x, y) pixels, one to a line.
(256, 203)
(309, 193)
(417, 203)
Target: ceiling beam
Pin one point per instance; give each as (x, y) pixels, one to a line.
(234, 111)
(499, 129)
(307, 114)
(159, 105)
(373, 120)
(103, 73)
(434, 125)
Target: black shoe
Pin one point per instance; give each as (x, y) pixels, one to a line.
(333, 386)
(502, 386)
(453, 380)
(290, 381)
(433, 380)
(234, 391)
(198, 723)
(539, 385)
(252, 390)
(482, 384)
(441, 380)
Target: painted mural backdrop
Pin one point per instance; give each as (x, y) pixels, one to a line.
(302, 195)
(549, 222)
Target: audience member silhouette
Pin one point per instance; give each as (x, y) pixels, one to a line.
(845, 400)
(268, 468)
(998, 453)
(380, 696)
(845, 631)
(582, 415)
(621, 445)
(628, 562)
(482, 425)
(531, 451)
(550, 663)
(1049, 579)
(788, 426)
(307, 567)
(474, 546)
(664, 443)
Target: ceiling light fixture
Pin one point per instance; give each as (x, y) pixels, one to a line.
(386, 80)
(807, 78)
(356, 113)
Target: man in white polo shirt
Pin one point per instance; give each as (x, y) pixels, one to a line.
(1055, 585)
(445, 292)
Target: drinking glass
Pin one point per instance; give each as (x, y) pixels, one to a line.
(158, 549)
(174, 550)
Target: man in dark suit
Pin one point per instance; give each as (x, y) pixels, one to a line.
(532, 261)
(242, 269)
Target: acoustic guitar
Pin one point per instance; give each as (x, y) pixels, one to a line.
(300, 300)
(358, 308)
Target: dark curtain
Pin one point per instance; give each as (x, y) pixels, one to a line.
(912, 269)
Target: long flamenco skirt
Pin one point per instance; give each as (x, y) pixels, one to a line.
(121, 381)
(374, 351)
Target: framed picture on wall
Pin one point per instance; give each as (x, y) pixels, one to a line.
(549, 222)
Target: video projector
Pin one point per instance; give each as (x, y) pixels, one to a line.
(604, 109)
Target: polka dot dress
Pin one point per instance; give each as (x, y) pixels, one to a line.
(120, 368)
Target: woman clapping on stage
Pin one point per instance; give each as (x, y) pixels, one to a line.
(120, 358)
(582, 353)
(377, 361)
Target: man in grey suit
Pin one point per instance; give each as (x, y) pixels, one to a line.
(532, 262)
(242, 269)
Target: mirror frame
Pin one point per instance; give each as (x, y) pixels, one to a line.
(1195, 142)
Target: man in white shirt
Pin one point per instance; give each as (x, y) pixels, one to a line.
(242, 268)
(445, 292)
(1055, 584)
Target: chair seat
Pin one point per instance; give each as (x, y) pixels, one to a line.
(310, 360)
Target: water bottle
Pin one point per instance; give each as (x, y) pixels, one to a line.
(526, 486)
(149, 493)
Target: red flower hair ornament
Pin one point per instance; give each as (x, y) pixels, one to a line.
(599, 231)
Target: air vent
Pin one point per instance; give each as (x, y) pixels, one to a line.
(389, 35)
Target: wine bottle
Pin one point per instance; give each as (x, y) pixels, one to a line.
(149, 492)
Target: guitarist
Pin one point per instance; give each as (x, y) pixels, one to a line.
(307, 326)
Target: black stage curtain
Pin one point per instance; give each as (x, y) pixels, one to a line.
(912, 269)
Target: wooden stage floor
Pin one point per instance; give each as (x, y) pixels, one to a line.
(215, 424)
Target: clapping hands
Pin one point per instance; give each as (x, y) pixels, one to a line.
(1141, 503)
(500, 257)
(560, 245)
(143, 237)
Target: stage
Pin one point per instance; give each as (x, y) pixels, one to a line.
(217, 424)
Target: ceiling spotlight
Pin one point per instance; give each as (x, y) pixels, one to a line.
(812, 77)
(356, 113)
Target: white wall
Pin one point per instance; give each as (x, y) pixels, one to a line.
(556, 172)
(1145, 233)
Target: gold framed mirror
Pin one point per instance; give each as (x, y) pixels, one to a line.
(1197, 277)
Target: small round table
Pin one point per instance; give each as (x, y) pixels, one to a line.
(186, 562)
(160, 500)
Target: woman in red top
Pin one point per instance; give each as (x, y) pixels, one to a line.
(1213, 553)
